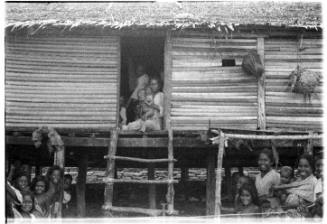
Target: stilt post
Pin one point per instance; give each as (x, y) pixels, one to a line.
(171, 192)
(211, 183)
(221, 148)
(81, 185)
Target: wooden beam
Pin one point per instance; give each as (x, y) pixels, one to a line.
(112, 180)
(110, 171)
(221, 149)
(122, 142)
(133, 159)
(309, 147)
(81, 185)
(171, 191)
(261, 87)
(151, 212)
(273, 137)
(211, 183)
(168, 76)
(152, 188)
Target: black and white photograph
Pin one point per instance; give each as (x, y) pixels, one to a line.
(162, 110)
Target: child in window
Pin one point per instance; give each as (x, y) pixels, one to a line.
(268, 177)
(242, 180)
(247, 202)
(26, 209)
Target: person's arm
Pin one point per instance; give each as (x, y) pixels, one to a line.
(11, 172)
(159, 102)
(123, 115)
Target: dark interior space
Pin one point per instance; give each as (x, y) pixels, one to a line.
(145, 51)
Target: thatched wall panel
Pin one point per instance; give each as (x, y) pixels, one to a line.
(62, 82)
(285, 109)
(204, 92)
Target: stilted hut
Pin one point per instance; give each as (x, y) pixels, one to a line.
(67, 64)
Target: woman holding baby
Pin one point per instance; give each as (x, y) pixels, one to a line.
(149, 106)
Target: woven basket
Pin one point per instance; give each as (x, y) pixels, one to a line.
(304, 81)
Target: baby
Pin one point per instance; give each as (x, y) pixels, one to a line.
(286, 177)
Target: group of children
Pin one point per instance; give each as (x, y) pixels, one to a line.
(39, 198)
(283, 193)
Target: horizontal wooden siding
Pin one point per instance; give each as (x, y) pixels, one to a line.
(204, 92)
(62, 82)
(283, 108)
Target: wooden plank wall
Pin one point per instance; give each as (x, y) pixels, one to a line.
(65, 82)
(203, 90)
(283, 108)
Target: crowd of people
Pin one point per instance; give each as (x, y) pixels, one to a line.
(39, 198)
(143, 111)
(284, 193)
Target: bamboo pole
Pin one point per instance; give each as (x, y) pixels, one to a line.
(221, 149)
(261, 86)
(151, 212)
(110, 171)
(272, 137)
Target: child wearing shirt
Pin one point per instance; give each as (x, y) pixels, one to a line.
(268, 177)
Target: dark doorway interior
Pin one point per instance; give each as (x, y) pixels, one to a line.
(146, 51)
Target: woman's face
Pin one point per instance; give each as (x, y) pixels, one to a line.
(264, 162)
(154, 85)
(39, 187)
(245, 198)
(304, 168)
(55, 176)
(319, 168)
(27, 204)
(22, 183)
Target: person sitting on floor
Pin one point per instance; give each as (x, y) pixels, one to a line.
(247, 202)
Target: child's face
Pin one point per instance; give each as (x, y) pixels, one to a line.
(55, 176)
(39, 187)
(22, 183)
(27, 204)
(285, 177)
(67, 183)
(141, 95)
(246, 198)
(304, 168)
(319, 168)
(148, 91)
(264, 162)
(240, 182)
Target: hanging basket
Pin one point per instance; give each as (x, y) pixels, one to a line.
(252, 64)
(304, 81)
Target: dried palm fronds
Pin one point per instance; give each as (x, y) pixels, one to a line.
(304, 81)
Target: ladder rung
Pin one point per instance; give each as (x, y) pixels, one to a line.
(151, 212)
(111, 180)
(141, 160)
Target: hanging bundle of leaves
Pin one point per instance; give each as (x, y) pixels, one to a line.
(304, 81)
(252, 64)
(49, 137)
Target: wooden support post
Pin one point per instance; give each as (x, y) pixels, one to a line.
(309, 146)
(110, 171)
(59, 160)
(184, 179)
(171, 192)
(81, 185)
(221, 149)
(152, 187)
(211, 183)
(261, 86)
(168, 76)
(228, 180)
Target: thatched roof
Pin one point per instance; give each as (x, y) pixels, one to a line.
(213, 15)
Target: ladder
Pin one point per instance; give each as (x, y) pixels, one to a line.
(109, 180)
